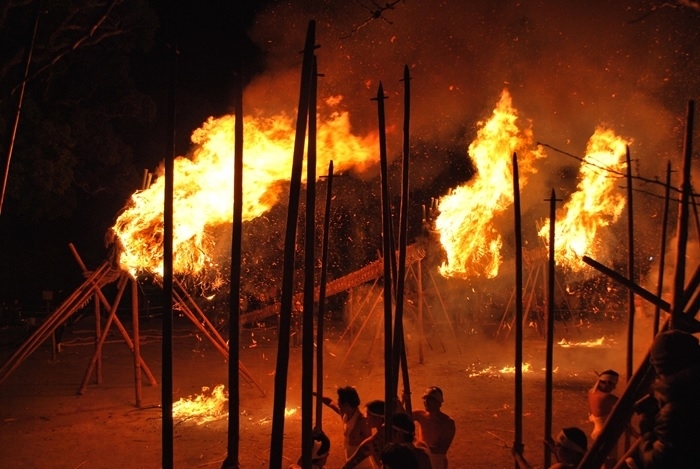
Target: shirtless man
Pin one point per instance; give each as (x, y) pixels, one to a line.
(435, 427)
(370, 449)
(355, 425)
(601, 401)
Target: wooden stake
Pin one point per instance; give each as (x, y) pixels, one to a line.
(662, 254)
(388, 253)
(307, 324)
(322, 300)
(137, 340)
(549, 366)
(282, 367)
(683, 215)
(518, 309)
(630, 274)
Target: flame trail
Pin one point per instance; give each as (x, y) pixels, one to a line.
(466, 215)
(596, 203)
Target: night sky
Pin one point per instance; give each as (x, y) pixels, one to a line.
(570, 67)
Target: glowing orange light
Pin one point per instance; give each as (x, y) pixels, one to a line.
(596, 203)
(465, 222)
(203, 186)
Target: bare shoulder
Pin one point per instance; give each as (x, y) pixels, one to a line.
(419, 414)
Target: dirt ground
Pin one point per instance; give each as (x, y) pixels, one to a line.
(45, 423)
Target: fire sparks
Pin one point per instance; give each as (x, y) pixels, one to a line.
(203, 186)
(494, 371)
(595, 204)
(203, 408)
(209, 407)
(586, 343)
(465, 222)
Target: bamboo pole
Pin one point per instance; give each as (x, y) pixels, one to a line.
(46, 328)
(322, 300)
(518, 442)
(167, 427)
(662, 254)
(137, 341)
(234, 401)
(282, 366)
(630, 274)
(307, 324)
(116, 320)
(638, 385)
(549, 366)
(123, 280)
(389, 393)
(18, 112)
(682, 230)
(98, 333)
(421, 333)
(399, 344)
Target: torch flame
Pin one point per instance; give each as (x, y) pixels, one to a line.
(203, 186)
(595, 204)
(465, 221)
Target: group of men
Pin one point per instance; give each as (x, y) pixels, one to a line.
(418, 441)
(668, 434)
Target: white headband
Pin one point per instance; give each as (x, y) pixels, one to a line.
(608, 377)
(567, 443)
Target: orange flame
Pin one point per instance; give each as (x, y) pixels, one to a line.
(203, 186)
(465, 221)
(202, 408)
(586, 343)
(493, 371)
(595, 204)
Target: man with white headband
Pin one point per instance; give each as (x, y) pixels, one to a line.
(601, 401)
(568, 447)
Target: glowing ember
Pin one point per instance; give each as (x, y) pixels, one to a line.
(203, 186)
(465, 221)
(596, 203)
(588, 343)
(497, 372)
(203, 408)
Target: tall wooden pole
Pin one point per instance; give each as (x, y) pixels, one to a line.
(167, 299)
(307, 324)
(322, 300)
(518, 309)
(399, 345)
(234, 420)
(662, 254)
(683, 215)
(630, 271)
(137, 340)
(549, 366)
(389, 392)
(282, 368)
(20, 100)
